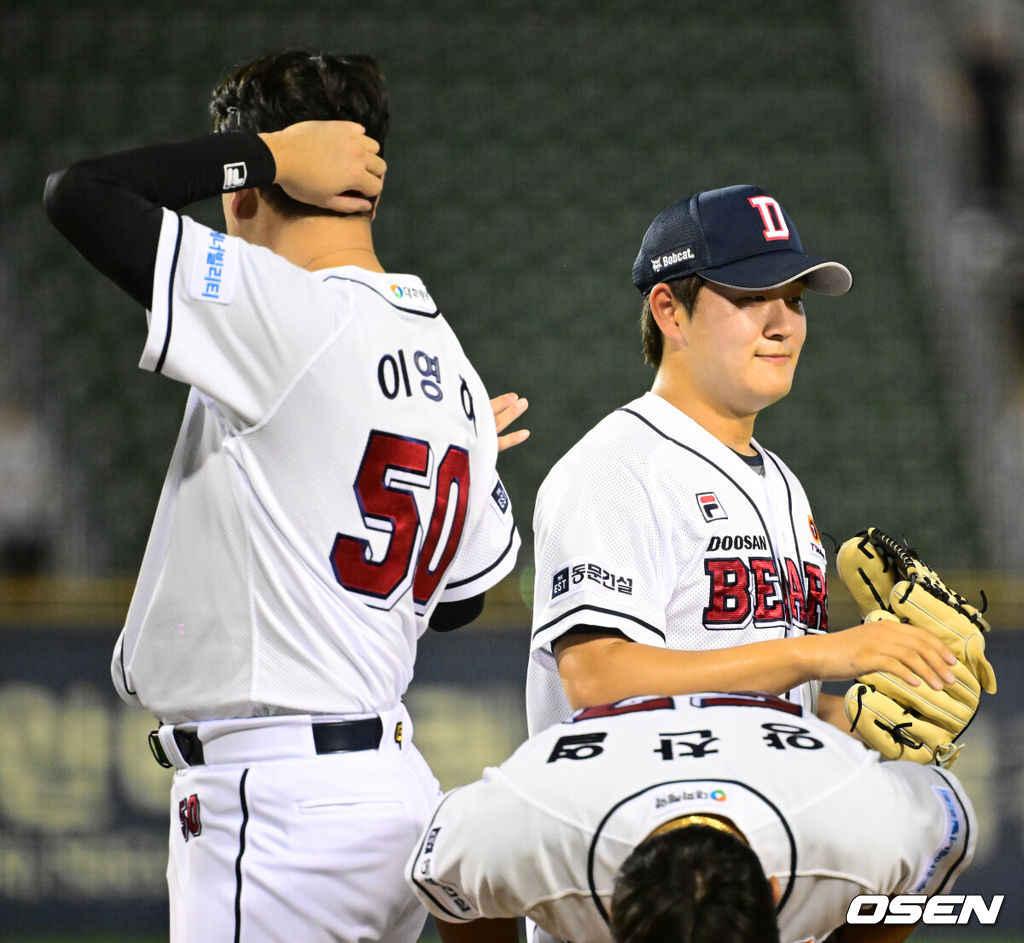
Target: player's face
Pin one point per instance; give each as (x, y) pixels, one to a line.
(741, 347)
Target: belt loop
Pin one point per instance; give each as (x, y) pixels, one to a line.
(165, 737)
(156, 748)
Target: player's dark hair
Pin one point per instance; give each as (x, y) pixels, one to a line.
(693, 885)
(286, 87)
(685, 291)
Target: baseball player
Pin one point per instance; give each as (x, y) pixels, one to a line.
(674, 553)
(332, 493)
(635, 822)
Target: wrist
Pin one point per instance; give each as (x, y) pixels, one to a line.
(807, 652)
(272, 141)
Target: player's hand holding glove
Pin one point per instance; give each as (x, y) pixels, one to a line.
(887, 581)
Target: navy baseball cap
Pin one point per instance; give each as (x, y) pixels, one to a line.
(739, 237)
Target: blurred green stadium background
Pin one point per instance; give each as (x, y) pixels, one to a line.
(530, 148)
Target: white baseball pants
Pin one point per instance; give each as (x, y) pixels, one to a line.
(272, 843)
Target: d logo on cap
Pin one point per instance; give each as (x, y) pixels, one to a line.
(774, 222)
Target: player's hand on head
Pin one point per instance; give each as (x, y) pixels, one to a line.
(507, 408)
(905, 651)
(330, 164)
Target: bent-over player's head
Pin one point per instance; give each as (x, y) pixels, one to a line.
(739, 237)
(696, 884)
(286, 87)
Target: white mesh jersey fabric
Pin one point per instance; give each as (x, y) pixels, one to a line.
(566, 809)
(651, 527)
(334, 478)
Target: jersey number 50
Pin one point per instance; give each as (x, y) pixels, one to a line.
(392, 467)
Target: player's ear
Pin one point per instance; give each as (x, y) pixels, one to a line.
(240, 204)
(776, 888)
(667, 311)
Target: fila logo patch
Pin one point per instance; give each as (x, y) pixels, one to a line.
(235, 175)
(711, 507)
(771, 215)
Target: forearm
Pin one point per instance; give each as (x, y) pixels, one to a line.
(109, 208)
(599, 671)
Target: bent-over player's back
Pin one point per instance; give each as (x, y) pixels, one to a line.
(825, 815)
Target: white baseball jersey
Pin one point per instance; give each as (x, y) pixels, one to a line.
(652, 527)
(334, 479)
(544, 834)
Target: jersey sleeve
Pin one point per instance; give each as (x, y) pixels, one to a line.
(236, 321)
(488, 553)
(109, 208)
(893, 828)
(598, 555)
(472, 862)
(940, 833)
(458, 876)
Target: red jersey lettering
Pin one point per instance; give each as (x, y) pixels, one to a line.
(729, 602)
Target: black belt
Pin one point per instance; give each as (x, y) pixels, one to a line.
(329, 736)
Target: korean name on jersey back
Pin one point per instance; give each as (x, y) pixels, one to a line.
(745, 586)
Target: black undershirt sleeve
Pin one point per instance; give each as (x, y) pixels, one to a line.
(593, 630)
(453, 615)
(109, 208)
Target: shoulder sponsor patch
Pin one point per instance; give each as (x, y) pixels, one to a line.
(952, 834)
(815, 544)
(500, 497)
(214, 269)
(585, 574)
(413, 296)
